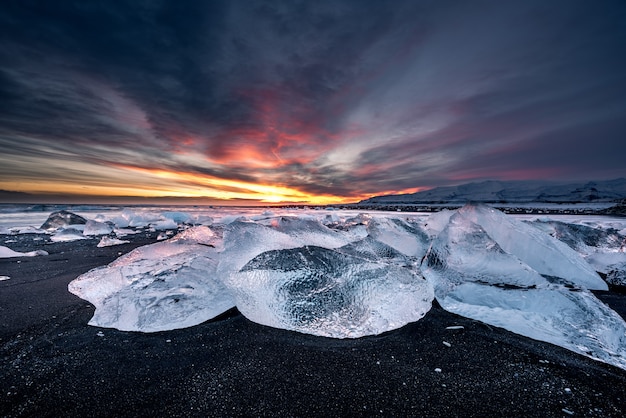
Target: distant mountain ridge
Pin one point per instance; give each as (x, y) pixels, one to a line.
(513, 192)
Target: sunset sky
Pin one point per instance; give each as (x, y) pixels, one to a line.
(242, 102)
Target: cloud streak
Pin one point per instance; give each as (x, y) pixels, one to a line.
(307, 101)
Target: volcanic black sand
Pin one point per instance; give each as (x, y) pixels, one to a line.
(54, 364)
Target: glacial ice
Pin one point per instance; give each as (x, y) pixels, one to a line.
(603, 248)
(540, 251)
(157, 287)
(62, 219)
(67, 234)
(321, 291)
(475, 277)
(6, 252)
(109, 242)
(346, 276)
(97, 228)
(399, 234)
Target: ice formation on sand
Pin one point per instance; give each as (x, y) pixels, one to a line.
(62, 219)
(67, 234)
(475, 277)
(6, 252)
(347, 276)
(161, 286)
(604, 249)
(97, 228)
(540, 251)
(321, 291)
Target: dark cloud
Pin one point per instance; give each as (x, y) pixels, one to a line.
(340, 98)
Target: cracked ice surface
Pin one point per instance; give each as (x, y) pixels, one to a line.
(321, 291)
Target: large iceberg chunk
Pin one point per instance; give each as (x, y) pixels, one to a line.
(157, 287)
(545, 254)
(464, 252)
(321, 291)
(475, 277)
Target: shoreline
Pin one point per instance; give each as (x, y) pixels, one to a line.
(54, 364)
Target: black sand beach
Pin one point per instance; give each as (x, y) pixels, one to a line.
(54, 364)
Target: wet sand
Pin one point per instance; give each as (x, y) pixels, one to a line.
(54, 364)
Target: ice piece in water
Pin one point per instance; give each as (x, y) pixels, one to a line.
(97, 228)
(399, 234)
(545, 254)
(157, 287)
(474, 277)
(321, 291)
(62, 219)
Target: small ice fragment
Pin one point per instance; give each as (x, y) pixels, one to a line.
(107, 241)
(567, 411)
(168, 341)
(100, 334)
(456, 327)
(438, 370)
(2, 278)
(567, 390)
(447, 344)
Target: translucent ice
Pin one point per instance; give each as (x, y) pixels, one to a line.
(62, 219)
(321, 291)
(108, 242)
(162, 286)
(540, 251)
(474, 276)
(464, 252)
(97, 228)
(6, 252)
(311, 232)
(67, 234)
(405, 237)
(603, 248)
(575, 320)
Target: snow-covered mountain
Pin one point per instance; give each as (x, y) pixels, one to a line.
(513, 192)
